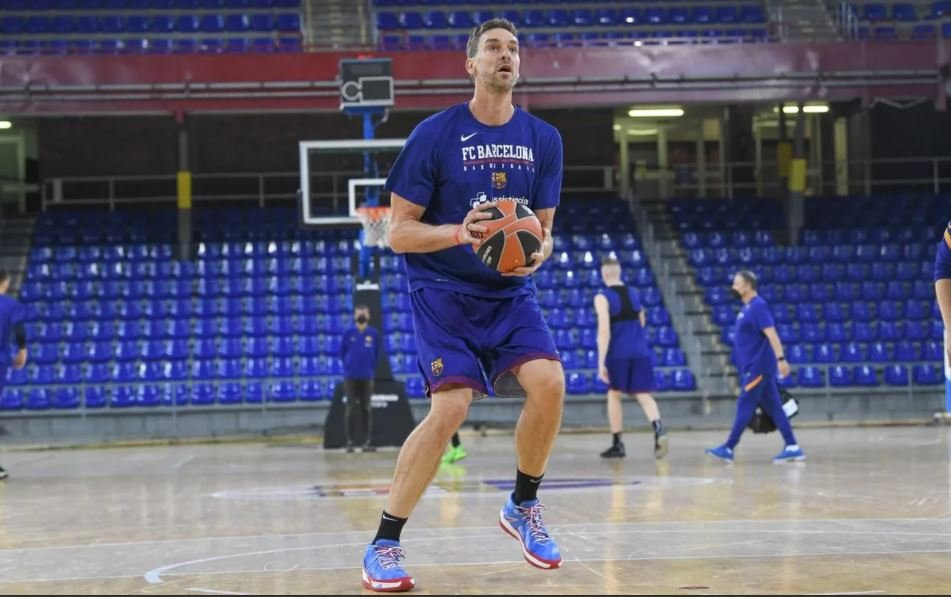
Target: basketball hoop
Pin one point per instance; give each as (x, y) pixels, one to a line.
(376, 225)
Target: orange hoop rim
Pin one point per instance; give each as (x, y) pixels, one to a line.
(373, 213)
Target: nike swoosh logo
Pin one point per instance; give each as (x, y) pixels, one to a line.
(467, 137)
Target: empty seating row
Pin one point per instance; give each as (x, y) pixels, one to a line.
(861, 331)
(391, 42)
(841, 376)
(837, 312)
(221, 327)
(864, 352)
(678, 380)
(178, 349)
(140, 5)
(207, 287)
(161, 255)
(258, 45)
(209, 23)
(717, 292)
(166, 394)
(902, 11)
(787, 290)
(579, 17)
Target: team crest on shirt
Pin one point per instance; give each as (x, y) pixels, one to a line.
(437, 367)
(499, 180)
(368, 341)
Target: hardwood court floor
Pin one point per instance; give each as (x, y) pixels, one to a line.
(869, 512)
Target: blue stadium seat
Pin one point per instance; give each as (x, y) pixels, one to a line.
(865, 331)
(825, 353)
(411, 20)
(415, 387)
(388, 21)
(840, 376)
(288, 23)
(904, 12)
(578, 383)
(683, 380)
(896, 375)
(927, 375)
(606, 17)
(262, 22)
(865, 376)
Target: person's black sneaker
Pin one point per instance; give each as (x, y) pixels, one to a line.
(3, 473)
(660, 443)
(615, 451)
(368, 448)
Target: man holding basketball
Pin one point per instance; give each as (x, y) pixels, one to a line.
(474, 325)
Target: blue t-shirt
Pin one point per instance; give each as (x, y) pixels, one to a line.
(11, 313)
(942, 259)
(359, 352)
(751, 350)
(628, 338)
(451, 162)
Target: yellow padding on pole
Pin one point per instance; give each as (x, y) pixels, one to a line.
(184, 189)
(753, 384)
(783, 157)
(797, 175)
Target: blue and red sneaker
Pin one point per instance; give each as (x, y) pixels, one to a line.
(381, 567)
(525, 524)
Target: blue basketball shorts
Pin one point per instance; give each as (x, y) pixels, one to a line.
(476, 342)
(633, 376)
(942, 259)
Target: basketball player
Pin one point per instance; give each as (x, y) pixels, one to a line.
(625, 361)
(942, 284)
(12, 315)
(474, 325)
(759, 356)
(359, 351)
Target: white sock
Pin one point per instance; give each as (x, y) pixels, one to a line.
(792, 447)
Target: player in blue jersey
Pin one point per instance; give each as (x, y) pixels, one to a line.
(625, 360)
(942, 284)
(12, 330)
(474, 326)
(759, 357)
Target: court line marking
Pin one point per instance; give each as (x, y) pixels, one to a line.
(214, 591)
(441, 531)
(849, 593)
(154, 576)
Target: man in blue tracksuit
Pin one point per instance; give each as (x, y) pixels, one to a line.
(759, 357)
(12, 315)
(359, 351)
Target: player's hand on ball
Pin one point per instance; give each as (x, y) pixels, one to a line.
(603, 374)
(784, 368)
(537, 259)
(19, 361)
(472, 232)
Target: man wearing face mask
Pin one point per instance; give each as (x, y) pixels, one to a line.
(359, 351)
(759, 357)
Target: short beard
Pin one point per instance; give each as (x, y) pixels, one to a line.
(488, 80)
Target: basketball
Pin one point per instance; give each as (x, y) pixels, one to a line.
(513, 234)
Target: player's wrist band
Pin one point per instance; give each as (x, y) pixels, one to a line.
(780, 358)
(455, 235)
